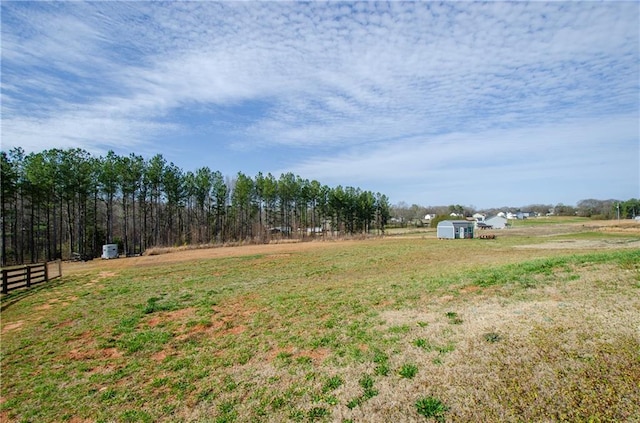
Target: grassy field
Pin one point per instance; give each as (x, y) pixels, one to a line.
(541, 324)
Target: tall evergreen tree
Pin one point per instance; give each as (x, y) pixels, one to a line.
(9, 185)
(108, 178)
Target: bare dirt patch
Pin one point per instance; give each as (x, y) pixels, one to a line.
(65, 324)
(159, 356)
(317, 356)
(236, 330)
(230, 318)
(46, 306)
(15, 326)
(85, 347)
(171, 316)
(51, 302)
(470, 289)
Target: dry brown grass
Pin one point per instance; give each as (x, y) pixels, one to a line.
(562, 352)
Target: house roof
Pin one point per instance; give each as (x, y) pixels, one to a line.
(493, 217)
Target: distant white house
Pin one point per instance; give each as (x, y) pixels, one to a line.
(479, 217)
(519, 215)
(496, 222)
(429, 216)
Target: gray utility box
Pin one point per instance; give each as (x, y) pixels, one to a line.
(110, 251)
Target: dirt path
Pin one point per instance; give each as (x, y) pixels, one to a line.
(196, 254)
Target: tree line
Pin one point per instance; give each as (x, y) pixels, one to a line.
(66, 203)
(592, 208)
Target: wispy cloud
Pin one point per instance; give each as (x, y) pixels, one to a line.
(368, 91)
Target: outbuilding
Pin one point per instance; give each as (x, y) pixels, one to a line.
(110, 251)
(455, 229)
(496, 222)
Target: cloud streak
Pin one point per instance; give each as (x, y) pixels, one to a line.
(337, 88)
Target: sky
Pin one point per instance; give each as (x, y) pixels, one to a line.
(478, 104)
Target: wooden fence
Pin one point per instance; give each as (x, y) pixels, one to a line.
(28, 275)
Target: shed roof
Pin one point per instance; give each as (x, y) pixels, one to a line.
(456, 222)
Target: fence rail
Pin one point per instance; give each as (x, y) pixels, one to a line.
(26, 276)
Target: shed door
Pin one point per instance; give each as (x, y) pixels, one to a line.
(461, 233)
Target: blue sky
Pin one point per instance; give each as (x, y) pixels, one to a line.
(483, 104)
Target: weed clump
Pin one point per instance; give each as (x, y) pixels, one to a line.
(331, 384)
(431, 407)
(317, 413)
(366, 382)
(492, 337)
(153, 305)
(408, 371)
(421, 343)
(382, 363)
(454, 318)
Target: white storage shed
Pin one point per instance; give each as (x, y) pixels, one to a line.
(455, 229)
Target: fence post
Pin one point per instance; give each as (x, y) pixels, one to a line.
(28, 276)
(60, 268)
(46, 271)
(5, 281)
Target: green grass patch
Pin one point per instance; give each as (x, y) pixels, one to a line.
(155, 304)
(148, 340)
(536, 272)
